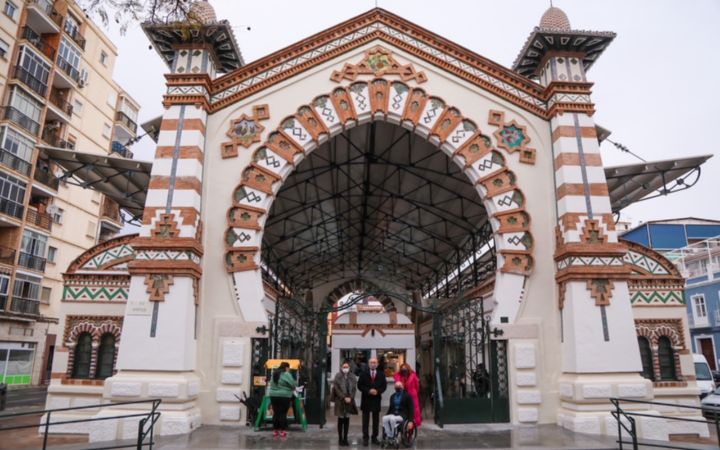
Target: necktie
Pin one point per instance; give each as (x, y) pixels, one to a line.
(373, 375)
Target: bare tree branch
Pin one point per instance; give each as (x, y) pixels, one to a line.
(124, 12)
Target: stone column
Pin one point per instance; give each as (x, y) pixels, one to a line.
(600, 356)
(157, 354)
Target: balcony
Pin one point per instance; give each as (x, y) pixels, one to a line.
(14, 115)
(110, 210)
(39, 219)
(36, 84)
(11, 161)
(32, 262)
(25, 306)
(121, 150)
(12, 209)
(47, 178)
(37, 41)
(43, 16)
(68, 69)
(3, 301)
(77, 37)
(58, 101)
(124, 119)
(53, 139)
(7, 255)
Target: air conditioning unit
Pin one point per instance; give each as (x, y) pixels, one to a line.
(84, 75)
(53, 209)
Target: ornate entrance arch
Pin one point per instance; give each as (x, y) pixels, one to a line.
(413, 108)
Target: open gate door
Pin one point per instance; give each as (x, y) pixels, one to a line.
(471, 371)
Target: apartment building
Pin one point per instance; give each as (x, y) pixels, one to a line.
(57, 90)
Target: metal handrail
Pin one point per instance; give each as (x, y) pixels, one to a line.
(148, 419)
(620, 413)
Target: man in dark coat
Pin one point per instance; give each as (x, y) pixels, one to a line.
(372, 383)
(401, 408)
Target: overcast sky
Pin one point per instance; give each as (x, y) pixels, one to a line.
(656, 86)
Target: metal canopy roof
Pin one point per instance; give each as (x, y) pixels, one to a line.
(376, 201)
(642, 181)
(123, 180)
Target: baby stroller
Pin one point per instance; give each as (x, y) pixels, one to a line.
(252, 404)
(403, 435)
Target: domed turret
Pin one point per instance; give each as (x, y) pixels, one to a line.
(202, 11)
(555, 19)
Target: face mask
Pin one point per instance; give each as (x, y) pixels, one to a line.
(404, 372)
(346, 369)
(398, 389)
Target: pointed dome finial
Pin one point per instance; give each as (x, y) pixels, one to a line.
(555, 19)
(202, 11)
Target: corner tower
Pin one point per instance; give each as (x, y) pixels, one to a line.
(157, 356)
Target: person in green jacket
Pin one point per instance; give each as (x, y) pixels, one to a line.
(281, 391)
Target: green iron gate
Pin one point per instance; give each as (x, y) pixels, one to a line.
(471, 374)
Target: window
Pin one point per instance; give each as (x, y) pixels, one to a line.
(34, 243)
(38, 69)
(57, 216)
(646, 358)
(10, 9)
(4, 291)
(78, 107)
(45, 295)
(4, 49)
(107, 130)
(16, 362)
(12, 195)
(111, 100)
(666, 355)
(27, 105)
(17, 144)
(72, 25)
(106, 357)
(83, 355)
(699, 309)
(70, 55)
(103, 58)
(26, 287)
(52, 254)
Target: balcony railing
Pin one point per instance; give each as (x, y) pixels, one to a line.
(39, 219)
(32, 262)
(125, 120)
(25, 306)
(111, 210)
(121, 150)
(10, 113)
(54, 140)
(3, 301)
(11, 208)
(47, 178)
(47, 7)
(77, 37)
(11, 161)
(68, 68)
(30, 80)
(36, 40)
(7, 255)
(60, 102)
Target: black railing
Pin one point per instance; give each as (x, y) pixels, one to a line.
(626, 422)
(126, 120)
(7, 255)
(3, 301)
(53, 139)
(39, 219)
(47, 7)
(11, 208)
(77, 37)
(60, 102)
(33, 262)
(25, 306)
(30, 80)
(47, 178)
(121, 150)
(146, 424)
(12, 161)
(68, 68)
(10, 113)
(36, 40)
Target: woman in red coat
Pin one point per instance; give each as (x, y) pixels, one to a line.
(412, 387)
